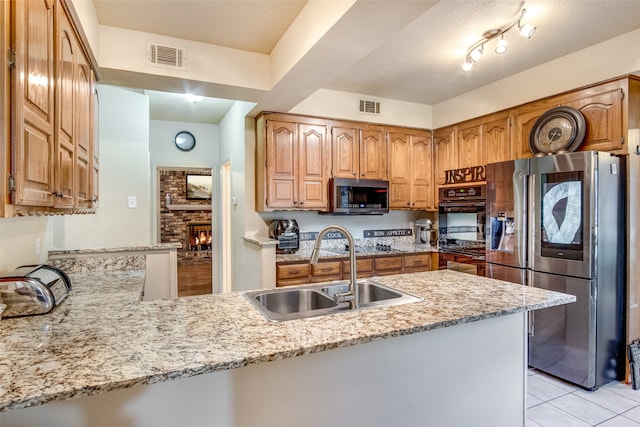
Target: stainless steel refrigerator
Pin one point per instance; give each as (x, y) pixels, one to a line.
(557, 223)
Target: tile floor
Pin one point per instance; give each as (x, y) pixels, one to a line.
(555, 403)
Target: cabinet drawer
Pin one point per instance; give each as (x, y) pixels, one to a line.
(388, 263)
(364, 267)
(419, 261)
(292, 271)
(326, 268)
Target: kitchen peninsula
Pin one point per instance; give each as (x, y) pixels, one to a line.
(104, 357)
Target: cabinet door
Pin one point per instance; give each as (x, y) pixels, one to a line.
(524, 121)
(603, 116)
(282, 164)
(400, 166)
(345, 149)
(34, 32)
(313, 172)
(445, 154)
(421, 161)
(66, 129)
(84, 115)
(417, 262)
(470, 149)
(95, 152)
(373, 153)
(496, 139)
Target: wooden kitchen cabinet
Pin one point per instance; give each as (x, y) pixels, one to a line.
(496, 138)
(470, 148)
(292, 274)
(32, 172)
(52, 88)
(359, 150)
(601, 105)
(364, 268)
(417, 262)
(293, 163)
(384, 265)
(410, 170)
(445, 156)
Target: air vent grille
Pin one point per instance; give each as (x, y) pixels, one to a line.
(166, 56)
(369, 107)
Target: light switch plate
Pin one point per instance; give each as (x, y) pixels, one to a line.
(132, 202)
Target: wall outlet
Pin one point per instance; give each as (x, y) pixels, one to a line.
(132, 202)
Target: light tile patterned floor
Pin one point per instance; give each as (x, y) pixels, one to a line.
(554, 403)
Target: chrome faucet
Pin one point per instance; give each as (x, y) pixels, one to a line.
(352, 295)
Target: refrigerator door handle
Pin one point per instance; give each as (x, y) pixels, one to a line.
(530, 327)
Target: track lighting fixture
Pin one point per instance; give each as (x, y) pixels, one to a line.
(474, 52)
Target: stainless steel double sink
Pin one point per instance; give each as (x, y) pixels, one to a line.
(317, 300)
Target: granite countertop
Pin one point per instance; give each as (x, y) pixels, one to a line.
(140, 248)
(103, 338)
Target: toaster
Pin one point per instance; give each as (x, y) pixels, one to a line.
(33, 289)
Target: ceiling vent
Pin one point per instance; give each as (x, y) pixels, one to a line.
(166, 56)
(369, 107)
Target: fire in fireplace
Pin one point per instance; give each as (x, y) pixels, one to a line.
(199, 236)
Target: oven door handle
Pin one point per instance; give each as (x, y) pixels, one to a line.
(466, 207)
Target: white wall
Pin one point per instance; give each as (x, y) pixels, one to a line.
(612, 58)
(236, 142)
(18, 240)
(163, 152)
(124, 172)
(344, 105)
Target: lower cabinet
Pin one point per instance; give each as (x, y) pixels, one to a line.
(300, 272)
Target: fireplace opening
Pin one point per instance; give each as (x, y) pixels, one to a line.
(199, 236)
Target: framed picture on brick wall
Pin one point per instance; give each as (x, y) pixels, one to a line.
(199, 187)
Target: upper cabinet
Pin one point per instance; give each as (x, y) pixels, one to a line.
(444, 153)
(601, 105)
(52, 89)
(411, 184)
(33, 106)
(359, 150)
(495, 138)
(292, 163)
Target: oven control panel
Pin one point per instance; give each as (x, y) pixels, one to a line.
(475, 192)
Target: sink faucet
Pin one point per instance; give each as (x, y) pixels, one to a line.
(352, 295)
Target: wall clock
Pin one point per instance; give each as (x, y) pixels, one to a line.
(184, 140)
(559, 130)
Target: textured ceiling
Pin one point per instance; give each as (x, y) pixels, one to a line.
(419, 57)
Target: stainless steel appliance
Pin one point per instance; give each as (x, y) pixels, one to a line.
(461, 228)
(287, 233)
(425, 232)
(358, 196)
(33, 289)
(557, 223)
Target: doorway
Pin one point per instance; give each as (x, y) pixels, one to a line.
(185, 216)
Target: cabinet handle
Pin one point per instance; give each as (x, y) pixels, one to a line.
(408, 204)
(354, 174)
(363, 173)
(301, 203)
(294, 271)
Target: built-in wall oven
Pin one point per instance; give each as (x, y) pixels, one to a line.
(461, 226)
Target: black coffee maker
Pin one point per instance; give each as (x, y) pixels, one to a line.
(287, 233)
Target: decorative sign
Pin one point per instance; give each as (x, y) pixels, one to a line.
(312, 235)
(472, 174)
(398, 232)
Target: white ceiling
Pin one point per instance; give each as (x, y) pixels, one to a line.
(418, 60)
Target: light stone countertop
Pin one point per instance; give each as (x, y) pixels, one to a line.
(110, 250)
(103, 338)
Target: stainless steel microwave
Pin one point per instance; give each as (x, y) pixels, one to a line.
(358, 196)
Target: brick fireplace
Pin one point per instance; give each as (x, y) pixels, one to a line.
(184, 220)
